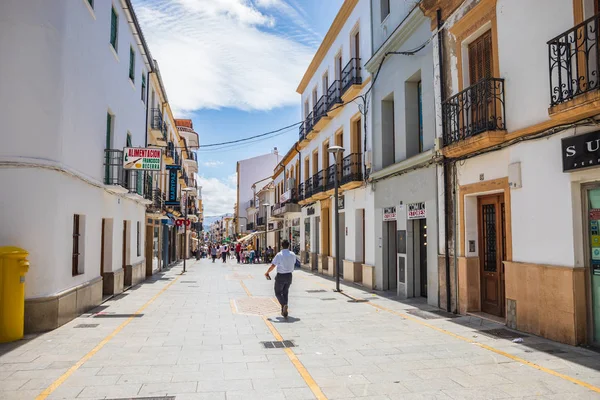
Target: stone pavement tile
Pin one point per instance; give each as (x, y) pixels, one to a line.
(164, 389)
(476, 394)
(298, 394)
(356, 369)
(19, 394)
(202, 396)
(12, 384)
(65, 392)
(174, 369)
(390, 377)
(480, 381)
(278, 383)
(431, 385)
(371, 389)
(337, 392)
(571, 395)
(248, 374)
(523, 389)
(145, 378)
(38, 374)
(420, 396)
(273, 394)
(113, 391)
(341, 380)
(206, 375)
(225, 385)
(124, 370)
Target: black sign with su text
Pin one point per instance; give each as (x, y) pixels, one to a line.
(581, 151)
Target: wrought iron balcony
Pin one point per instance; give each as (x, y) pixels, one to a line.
(477, 109)
(176, 157)
(318, 181)
(250, 226)
(330, 177)
(302, 132)
(320, 109)
(308, 188)
(352, 168)
(114, 174)
(260, 221)
(574, 61)
(334, 94)
(301, 191)
(309, 123)
(156, 121)
(170, 150)
(351, 75)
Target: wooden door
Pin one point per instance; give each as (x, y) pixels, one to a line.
(102, 248)
(357, 46)
(124, 254)
(492, 250)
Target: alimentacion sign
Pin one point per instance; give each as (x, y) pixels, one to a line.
(142, 159)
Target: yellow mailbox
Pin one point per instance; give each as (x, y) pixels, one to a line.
(13, 266)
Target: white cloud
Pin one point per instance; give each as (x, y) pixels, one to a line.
(217, 197)
(212, 164)
(232, 179)
(228, 53)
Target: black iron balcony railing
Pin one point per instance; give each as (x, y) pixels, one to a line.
(574, 61)
(114, 174)
(171, 150)
(250, 226)
(308, 188)
(260, 221)
(293, 196)
(351, 75)
(334, 94)
(477, 109)
(308, 123)
(301, 131)
(176, 158)
(330, 177)
(156, 121)
(320, 109)
(164, 131)
(352, 168)
(301, 194)
(318, 181)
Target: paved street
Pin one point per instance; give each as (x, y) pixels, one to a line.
(198, 336)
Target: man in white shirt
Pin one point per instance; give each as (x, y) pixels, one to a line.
(285, 261)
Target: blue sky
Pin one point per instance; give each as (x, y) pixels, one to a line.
(233, 67)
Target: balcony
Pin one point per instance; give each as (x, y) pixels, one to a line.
(170, 152)
(260, 221)
(476, 111)
(320, 114)
(250, 207)
(308, 125)
(301, 132)
(351, 79)
(352, 176)
(114, 174)
(157, 125)
(249, 226)
(334, 98)
(574, 65)
(319, 181)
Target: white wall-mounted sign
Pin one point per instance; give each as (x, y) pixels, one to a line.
(389, 214)
(417, 210)
(285, 196)
(142, 159)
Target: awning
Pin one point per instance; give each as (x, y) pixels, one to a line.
(250, 236)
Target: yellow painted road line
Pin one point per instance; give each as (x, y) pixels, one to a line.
(486, 347)
(312, 385)
(245, 288)
(61, 379)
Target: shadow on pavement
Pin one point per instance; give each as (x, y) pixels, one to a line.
(281, 320)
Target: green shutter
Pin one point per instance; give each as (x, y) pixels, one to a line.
(131, 64)
(128, 140)
(143, 87)
(106, 154)
(113, 28)
(91, 3)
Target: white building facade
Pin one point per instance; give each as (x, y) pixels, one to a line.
(336, 77)
(87, 102)
(404, 178)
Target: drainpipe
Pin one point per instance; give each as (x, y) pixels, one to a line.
(447, 195)
(147, 108)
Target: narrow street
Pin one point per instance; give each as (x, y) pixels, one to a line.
(199, 336)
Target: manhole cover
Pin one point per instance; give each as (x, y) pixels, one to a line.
(329, 298)
(256, 306)
(502, 333)
(86, 325)
(281, 344)
(316, 291)
(235, 276)
(433, 314)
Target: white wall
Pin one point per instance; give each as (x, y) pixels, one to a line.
(382, 29)
(250, 171)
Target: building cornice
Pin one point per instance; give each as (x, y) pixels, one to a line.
(334, 30)
(400, 35)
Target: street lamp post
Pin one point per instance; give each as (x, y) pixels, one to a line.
(185, 220)
(336, 150)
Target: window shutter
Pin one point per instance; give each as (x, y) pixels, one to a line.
(480, 58)
(131, 64)
(113, 28)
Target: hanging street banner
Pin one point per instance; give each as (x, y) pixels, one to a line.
(417, 211)
(172, 199)
(142, 159)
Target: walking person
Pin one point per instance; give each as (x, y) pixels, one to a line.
(224, 252)
(213, 252)
(285, 262)
(238, 250)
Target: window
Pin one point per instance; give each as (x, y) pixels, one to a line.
(413, 115)
(385, 9)
(420, 112)
(91, 3)
(325, 82)
(129, 139)
(480, 58)
(109, 128)
(314, 97)
(306, 109)
(139, 238)
(77, 256)
(388, 140)
(338, 66)
(114, 27)
(143, 86)
(131, 64)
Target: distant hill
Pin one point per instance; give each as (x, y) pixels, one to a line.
(210, 219)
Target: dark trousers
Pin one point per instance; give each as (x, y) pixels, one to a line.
(282, 287)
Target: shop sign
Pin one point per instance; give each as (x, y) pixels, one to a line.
(417, 210)
(581, 151)
(595, 214)
(310, 211)
(341, 202)
(172, 184)
(389, 214)
(285, 196)
(596, 267)
(142, 159)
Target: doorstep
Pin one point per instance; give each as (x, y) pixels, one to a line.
(487, 317)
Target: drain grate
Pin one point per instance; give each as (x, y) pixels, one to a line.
(316, 291)
(280, 344)
(115, 315)
(86, 325)
(147, 398)
(329, 298)
(358, 301)
(432, 314)
(502, 333)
